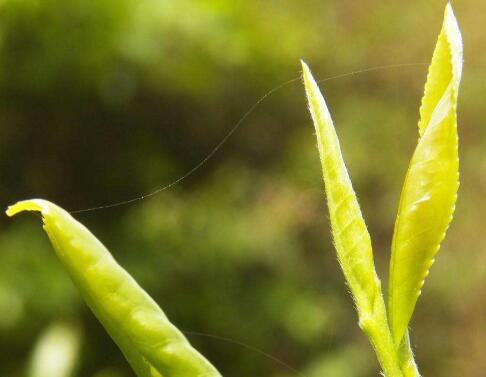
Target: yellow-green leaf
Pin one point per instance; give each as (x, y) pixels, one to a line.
(430, 189)
(153, 346)
(351, 237)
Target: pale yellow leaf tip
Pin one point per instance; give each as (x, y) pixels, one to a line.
(317, 104)
(39, 205)
(306, 73)
(309, 81)
(454, 39)
(304, 65)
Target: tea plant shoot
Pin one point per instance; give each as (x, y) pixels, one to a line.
(425, 210)
(154, 347)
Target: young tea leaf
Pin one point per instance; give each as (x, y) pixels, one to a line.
(153, 346)
(351, 237)
(430, 189)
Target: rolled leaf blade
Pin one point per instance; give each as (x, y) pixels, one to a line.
(351, 238)
(153, 346)
(429, 193)
(445, 68)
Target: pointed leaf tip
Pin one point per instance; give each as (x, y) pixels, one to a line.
(304, 65)
(454, 39)
(27, 205)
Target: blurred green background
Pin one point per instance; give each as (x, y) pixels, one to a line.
(102, 101)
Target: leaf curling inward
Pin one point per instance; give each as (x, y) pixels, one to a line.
(429, 193)
(351, 238)
(152, 345)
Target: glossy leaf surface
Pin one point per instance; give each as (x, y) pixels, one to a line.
(153, 346)
(430, 189)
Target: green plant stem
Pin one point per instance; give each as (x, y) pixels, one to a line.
(407, 361)
(375, 325)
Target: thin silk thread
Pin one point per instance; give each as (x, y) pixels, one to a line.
(231, 132)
